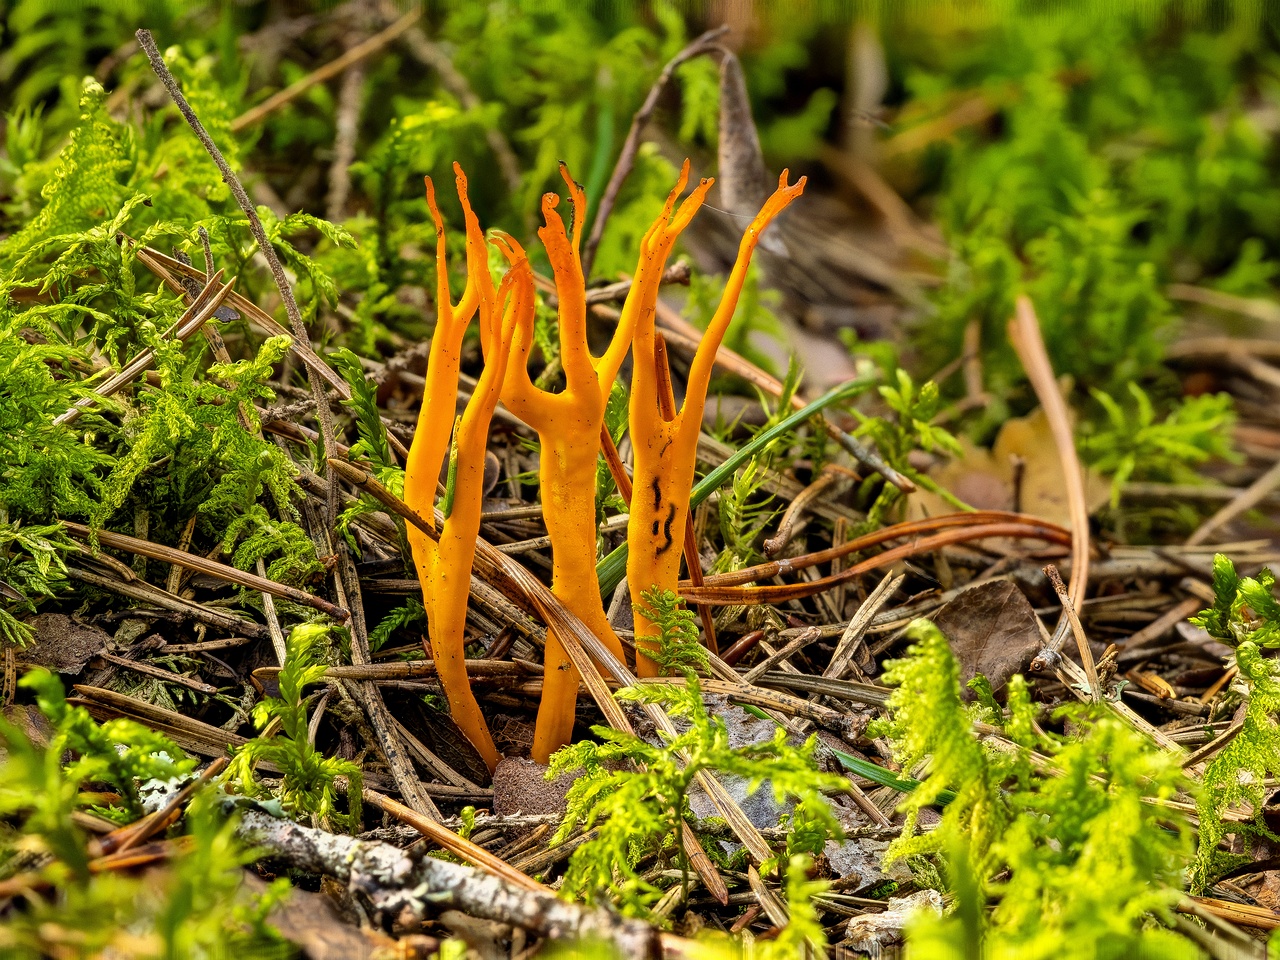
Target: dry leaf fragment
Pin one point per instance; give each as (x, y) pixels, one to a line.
(1020, 472)
(992, 630)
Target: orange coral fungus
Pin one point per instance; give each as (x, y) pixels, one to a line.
(444, 567)
(665, 446)
(569, 427)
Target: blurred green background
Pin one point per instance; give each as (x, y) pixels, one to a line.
(1117, 162)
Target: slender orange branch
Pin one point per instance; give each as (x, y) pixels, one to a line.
(693, 562)
(665, 449)
(794, 591)
(898, 531)
(569, 426)
(444, 565)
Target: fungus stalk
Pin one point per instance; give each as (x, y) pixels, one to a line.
(444, 566)
(665, 441)
(569, 426)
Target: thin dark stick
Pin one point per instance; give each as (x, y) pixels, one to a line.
(631, 146)
(389, 739)
(323, 415)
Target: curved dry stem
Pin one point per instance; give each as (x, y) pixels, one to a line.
(781, 593)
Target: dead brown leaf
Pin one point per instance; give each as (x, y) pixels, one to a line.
(992, 629)
(62, 644)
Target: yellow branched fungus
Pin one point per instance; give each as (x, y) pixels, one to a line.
(444, 567)
(569, 425)
(665, 442)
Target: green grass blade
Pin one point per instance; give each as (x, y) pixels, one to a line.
(886, 778)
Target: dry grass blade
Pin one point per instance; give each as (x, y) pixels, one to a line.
(158, 673)
(773, 700)
(195, 317)
(1247, 499)
(1024, 332)
(1244, 915)
(146, 593)
(154, 551)
(802, 640)
(844, 651)
(331, 69)
(897, 531)
(409, 670)
(126, 837)
(1214, 745)
(1077, 629)
(169, 270)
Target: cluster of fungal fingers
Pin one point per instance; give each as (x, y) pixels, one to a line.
(569, 425)
(664, 439)
(444, 563)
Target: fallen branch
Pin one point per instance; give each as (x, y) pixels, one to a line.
(395, 883)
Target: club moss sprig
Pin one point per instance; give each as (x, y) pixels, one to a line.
(678, 647)
(121, 752)
(637, 812)
(308, 786)
(1066, 844)
(1246, 615)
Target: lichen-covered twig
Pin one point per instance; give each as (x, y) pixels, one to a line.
(395, 883)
